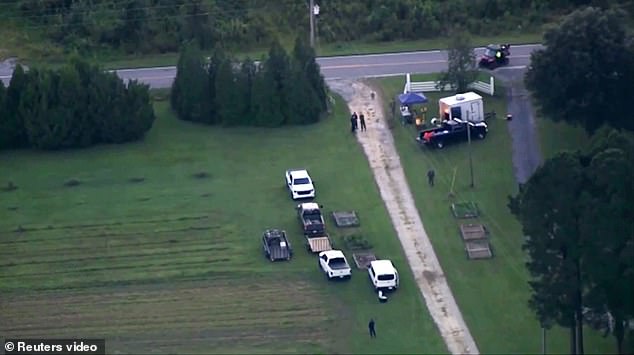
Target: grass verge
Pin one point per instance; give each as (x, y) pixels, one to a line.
(558, 136)
(492, 294)
(160, 242)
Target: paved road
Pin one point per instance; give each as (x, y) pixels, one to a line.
(348, 67)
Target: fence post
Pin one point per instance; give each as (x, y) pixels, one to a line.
(492, 83)
(407, 84)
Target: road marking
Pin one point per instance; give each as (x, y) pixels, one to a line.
(351, 66)
(346, 66)
(536, 45)
(514, 67)
(141, 69)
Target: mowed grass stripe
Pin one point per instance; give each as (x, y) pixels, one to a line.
(113, 254)
(21, 237)
(108, 247)
(128, 223)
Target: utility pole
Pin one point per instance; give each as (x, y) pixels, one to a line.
(470, 155)
(543, 340)
(311, 13)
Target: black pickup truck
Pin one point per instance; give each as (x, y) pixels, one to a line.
(451, 131)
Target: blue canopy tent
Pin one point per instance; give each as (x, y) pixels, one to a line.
(412, 98)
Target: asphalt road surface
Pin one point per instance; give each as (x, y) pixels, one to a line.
(348, 67)
(527, 154)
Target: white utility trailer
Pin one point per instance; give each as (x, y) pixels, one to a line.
(466, 107)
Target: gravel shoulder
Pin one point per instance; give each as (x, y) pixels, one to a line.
(378, 145)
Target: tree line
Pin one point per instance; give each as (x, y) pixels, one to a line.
(279, 90)
(76, 106)
(576, 210)
(148, 26)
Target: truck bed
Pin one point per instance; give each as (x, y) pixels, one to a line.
(319, 244)
(278, 252)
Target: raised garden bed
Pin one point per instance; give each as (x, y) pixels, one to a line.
(465, 209)
(356, 242)
(346, 219)
(478, 249)
(363, 259)
(473, 231)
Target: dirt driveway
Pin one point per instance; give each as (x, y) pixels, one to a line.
(378, 145)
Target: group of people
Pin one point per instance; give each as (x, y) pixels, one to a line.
(354, 125)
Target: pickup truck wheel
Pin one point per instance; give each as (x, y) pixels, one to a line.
(440, 144)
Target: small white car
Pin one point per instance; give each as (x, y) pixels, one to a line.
(299, 184)
(334, 264)
(383, 275)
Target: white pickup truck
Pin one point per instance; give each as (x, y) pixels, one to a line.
(334, 264)
(299, 183)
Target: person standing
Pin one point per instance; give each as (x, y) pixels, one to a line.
(362, 121)
(371, 328)
(353, 122)
(431, 174)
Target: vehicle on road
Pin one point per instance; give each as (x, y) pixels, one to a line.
(495, 55)
(451, 131)
(276, 245)
(334, 264)
(383, 275)
(299, 184)
(314, 227)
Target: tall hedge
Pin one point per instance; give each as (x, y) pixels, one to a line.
(76, 106)
(280, 90)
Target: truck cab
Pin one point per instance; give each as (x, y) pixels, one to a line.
(334, 264)
(383, 275)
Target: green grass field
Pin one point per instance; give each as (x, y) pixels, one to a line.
(558, 136)
(157, 248)
(492, 294)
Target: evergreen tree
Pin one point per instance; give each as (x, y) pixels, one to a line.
(4, 118)
(229, 98)
(609, 230)
(266, 103)
(278, 72)
(138, 115)
(12, 131)
(304, 61)
(462, 69)
(246, 78)
(549, 208)
(216, 60)
(191, 96)
(304, 102)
